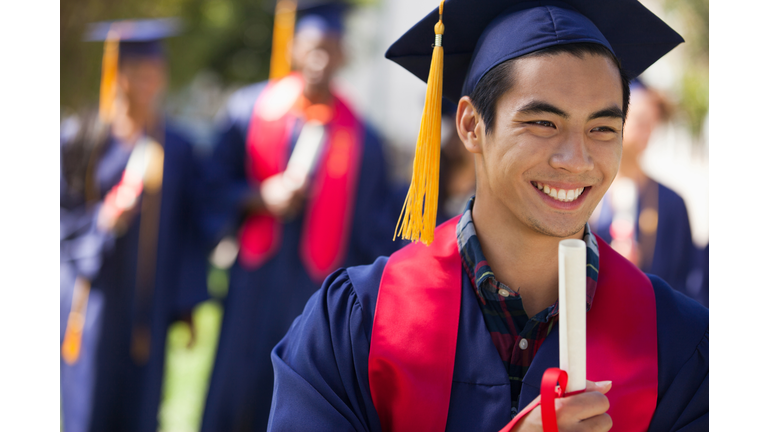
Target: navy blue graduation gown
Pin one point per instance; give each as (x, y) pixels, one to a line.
(105, 390)
(674, 254)
(321, 366)
(261, 304)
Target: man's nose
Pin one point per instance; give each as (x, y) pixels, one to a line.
(318, 59)
(572, 154)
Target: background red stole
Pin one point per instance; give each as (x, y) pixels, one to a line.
(331, 198)
(414, 331)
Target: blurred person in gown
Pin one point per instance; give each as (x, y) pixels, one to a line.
(457, 169)
(301, 181)
(131, 263)
(642, 219)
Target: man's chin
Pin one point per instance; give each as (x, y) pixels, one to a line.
(557, 230)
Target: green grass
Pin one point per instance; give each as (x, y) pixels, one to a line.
(188, 370)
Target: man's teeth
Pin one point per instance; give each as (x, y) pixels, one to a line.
(565, 195)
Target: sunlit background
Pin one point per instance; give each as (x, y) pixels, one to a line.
(226, 44)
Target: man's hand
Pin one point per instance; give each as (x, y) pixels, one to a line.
(281, 198)
(578, 413)
(119, 209)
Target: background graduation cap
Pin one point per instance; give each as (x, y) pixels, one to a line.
(481, 34)
(126, 39)
(137, 37)
(327, 16)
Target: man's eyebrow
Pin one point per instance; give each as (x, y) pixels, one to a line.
(537, 107)
(613, 112)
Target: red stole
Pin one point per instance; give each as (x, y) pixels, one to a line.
(330, 204)
(413, 341)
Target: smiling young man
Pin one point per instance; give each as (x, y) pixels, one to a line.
(457, 335)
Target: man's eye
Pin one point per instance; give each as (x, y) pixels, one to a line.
(544, 123)
(604, 129)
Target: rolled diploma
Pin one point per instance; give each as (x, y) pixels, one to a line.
(305, 154)
(572, 290)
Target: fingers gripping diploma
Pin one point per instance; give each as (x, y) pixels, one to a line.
(583, 412)
(282, 198)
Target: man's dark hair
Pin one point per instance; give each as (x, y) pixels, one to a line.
(499, 80)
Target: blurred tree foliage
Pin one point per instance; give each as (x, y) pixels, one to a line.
(230, 37)
(694, 84)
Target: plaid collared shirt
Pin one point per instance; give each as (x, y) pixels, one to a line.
(516, 337)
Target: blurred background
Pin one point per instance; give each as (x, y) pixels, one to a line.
(225, 44)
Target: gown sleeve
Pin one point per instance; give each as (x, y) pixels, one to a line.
(192, 286)
(226, 184)
(683, 337)
(82, 244)
(321, 365)
(676, 250)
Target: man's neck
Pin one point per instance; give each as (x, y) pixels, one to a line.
(317, 94)
(130, 122)
(521, 258)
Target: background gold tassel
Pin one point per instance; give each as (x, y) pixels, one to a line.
(109, 64)
(282, 39)
(73, 335)
(419, 211)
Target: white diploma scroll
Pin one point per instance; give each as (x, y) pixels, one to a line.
(305, 154)
(572, 275)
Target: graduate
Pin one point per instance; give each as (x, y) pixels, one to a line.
(457, 168)
(131, 259)
(301, 180)
(455, 332)
(642, 219)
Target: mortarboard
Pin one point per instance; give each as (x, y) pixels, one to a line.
(481, 34)
(125, 39)
(137, 37)
(328, 18)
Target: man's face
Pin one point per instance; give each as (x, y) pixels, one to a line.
(317, 56)
(142, 80)
(558, 131)
(642, 119)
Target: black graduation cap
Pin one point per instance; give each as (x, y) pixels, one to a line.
(137, 37)
(327, 17)
(480, 34)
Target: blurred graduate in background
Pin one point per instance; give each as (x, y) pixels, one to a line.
(457, 168)
(301, 181)
(641, 218)
(131, 262)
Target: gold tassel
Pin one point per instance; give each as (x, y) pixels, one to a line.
(419, 211)
(282, 39)
(73, 335)
(109, 65)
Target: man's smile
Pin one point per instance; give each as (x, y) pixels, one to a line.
(559, 194)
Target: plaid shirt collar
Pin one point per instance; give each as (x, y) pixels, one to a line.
(480, 272)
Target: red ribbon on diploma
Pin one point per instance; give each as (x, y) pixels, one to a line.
(549, 392)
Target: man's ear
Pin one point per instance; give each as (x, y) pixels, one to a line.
(470, 126)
